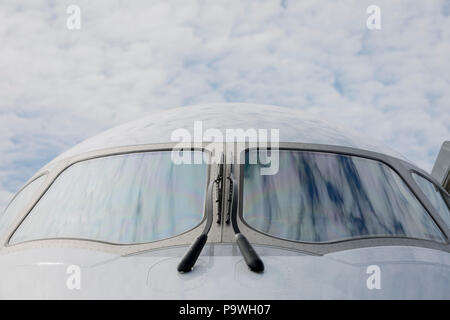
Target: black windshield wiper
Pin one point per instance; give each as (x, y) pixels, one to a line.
(190, 258)
(252, 259)
(219, 183)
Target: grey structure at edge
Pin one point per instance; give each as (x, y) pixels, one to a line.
(441, 169)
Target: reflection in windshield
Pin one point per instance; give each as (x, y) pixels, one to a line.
(435, 197)
(125, 199)
(319, 197)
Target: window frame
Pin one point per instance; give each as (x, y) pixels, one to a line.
(444, 194)
(400, 167)
(26, 207)
(223, 233)
(104, 245)
(23, 188)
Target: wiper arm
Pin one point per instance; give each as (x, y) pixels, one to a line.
(190, 257)
(219, 183)
(252, 259)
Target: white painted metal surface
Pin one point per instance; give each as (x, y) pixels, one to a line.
(294, 126)
(221, 273)
(39, 269)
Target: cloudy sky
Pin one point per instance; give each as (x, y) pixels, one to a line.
(60, 86)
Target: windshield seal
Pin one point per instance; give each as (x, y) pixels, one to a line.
(102, 155)
(392, 164)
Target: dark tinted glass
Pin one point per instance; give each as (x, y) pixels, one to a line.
(320, 197)
(435, 196)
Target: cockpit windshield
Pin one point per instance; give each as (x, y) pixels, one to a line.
(325, 197)
(122, 199)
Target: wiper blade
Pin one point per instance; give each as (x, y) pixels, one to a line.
(219, 183)
(191, 256)
(229, 200)
(251, 257)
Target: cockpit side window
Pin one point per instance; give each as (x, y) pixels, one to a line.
(122, 199)
(18, 204)
(326, 197)
(436, 197)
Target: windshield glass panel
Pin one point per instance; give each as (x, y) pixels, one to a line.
(123, 199)
(322, 197)
(18, 204)
(435, 196)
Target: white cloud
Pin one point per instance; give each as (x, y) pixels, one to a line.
(58, 87)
